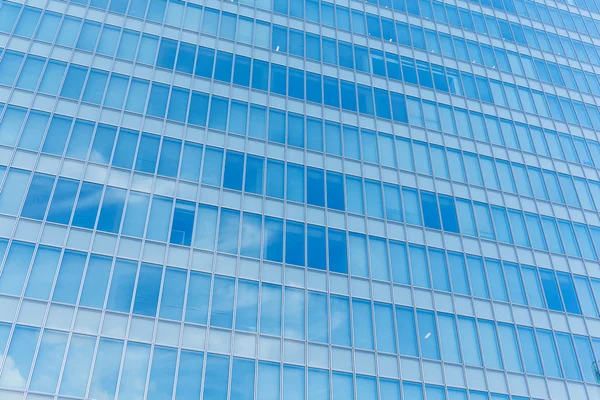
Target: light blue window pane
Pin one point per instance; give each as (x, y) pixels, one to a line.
(501, 224)
(147, 291)
(160, 219)
(31, 72)
(117, 90)
(366, 387)
(389, 389)
(96, 281)
(438, 159)
(14, 272)
(63, 201)
(268, 381)
(458, 273)
(183, 223)
(449, 338)
(222, 303)
(258, 122)
(136, 100)
(412, 208)
(384, 322)
(42, 273)
(518, 228)
(135, 368)
(20, 354)
(69, 278)
(190, 375)
(112, 210)
(567, 290)
(439, 271)
(121, 287)
(214, 158)
(428, 335)
(169, 157)
(354, 198)
(275, 178)
(491, 351)
(317, 317)
(586, 358)
(273, 242)
(108, 40)
(379, 259)
(147, 153)
(293, 383)
(157, 103)
(135, 216)
(584, 241)
(399, 260)
(8, 15)
(57, 135)
(318, 384)
(9, 67)
(585, 296)
(242, 379)
(568, 237)
(421, 152)
(477, 277)
(553, 298)
(102, 147)
(473, 169)
(358, 255)
(510, 350)
(530, 350)
(549, 353)
(247, 306)
(237, 117)
(340, 312)
(294, 313)
(190, 163)
(162, 374)
(87, 37)
(125, 148)
(484, 222)
(496, 278)
(419, 266)
(216, 377)
(404, 149)
(106, 368)
(78, 366)
(74, 81)
(466, 217)
(53, 77)
(128, 44)
(4, 334)
(251, 228)
(51, 352)
(197, 300)
(567, 355)
(343, 387)
(10, 126)
(469, 341)
(393, 203)
(438, 393)
(407, 336)
(147, 49)
(412, 390)
(535, 232)
(38, 196)
(270, 306)
(206, 227)
(515, 284)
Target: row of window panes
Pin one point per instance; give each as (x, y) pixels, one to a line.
(296, 314)
(377, 148)
(484, 128)
(174, 222)
(158, 372)
(372, 25)
(396, 68)
(369, 256)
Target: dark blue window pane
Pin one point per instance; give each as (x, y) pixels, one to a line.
(430, 210)
(317, 247)
(63, 201)
(551, 290)
(337, 251)
(112, 210)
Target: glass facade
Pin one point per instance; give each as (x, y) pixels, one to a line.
(299, 199)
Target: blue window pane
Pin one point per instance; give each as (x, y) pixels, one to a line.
(121, 286)
(106, 368)
(147, 290)
(190, 374)
(38, 196)
(42, 273)
(69, 278)
(15, 268)
(135, 369)
(96, 281)
(21, 352)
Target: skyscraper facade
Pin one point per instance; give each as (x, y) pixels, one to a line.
(299, 199)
